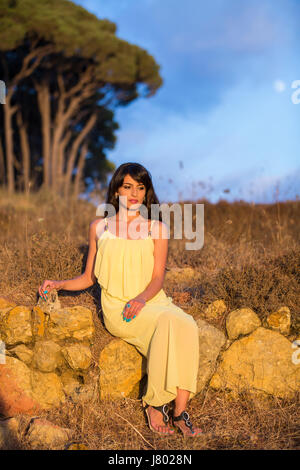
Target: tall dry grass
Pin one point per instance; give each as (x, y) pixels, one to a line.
(250, 257)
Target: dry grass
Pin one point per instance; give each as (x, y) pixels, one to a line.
(251, 257)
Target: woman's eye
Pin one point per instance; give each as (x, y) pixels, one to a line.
(128, 187)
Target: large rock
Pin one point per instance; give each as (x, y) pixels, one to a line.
(211, 340)
(47, 356)
(15, 388)
(262, 362)
(280, 320)
(42, 434)
(23, 353)
(47, 389)
(121, 368)
(241, 322)
(78, 356)
(23, 390)
(71, 322)
(15, 326)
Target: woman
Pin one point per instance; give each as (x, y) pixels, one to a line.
(131, 271)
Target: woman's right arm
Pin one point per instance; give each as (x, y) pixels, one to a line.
(86, 279)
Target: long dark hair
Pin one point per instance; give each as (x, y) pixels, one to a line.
(139, 174)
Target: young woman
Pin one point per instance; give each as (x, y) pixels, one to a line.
(131, 271)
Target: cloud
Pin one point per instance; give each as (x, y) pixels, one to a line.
(217, 111)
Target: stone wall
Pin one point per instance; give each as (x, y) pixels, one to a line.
(48, 356)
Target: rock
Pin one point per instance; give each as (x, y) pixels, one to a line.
(23, 390)
(47, 389)
(42, 434)
(50, 305)
(4, 303)
(9, 433)
(39, 320)
(71, 322)
(47, 356)
(215, 310)
(23, 353)
(3, 312)
(15, 388)
(121, 368)
(29, 383)
(241, 322)
(78, 356)
(211, 340)
(261, 361)
(280, 321)
(15, 326)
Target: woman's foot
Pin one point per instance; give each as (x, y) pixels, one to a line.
(183, 424)
(158, 419)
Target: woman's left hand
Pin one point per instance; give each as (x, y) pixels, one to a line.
(133, 308)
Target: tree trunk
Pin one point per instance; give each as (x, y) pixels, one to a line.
(43, 96)
(9, 148)
(80, 166)
(25, 152)
(35, 55)
(61, 162)
(76, 144)
(2, 164)
(63, 117)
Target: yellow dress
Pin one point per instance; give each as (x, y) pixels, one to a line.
(162, 332)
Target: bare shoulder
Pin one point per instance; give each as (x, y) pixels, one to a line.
(160, 229)
(97, 227)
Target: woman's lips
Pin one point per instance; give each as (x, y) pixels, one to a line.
(133, 200)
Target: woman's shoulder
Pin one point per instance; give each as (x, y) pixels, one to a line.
(159, 229)
(97, 226)
(99, 220)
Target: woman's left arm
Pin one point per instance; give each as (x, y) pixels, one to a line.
(160, 233)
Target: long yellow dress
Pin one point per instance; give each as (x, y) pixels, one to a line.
(162, 332)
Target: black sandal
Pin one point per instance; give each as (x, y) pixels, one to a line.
(164, 410)
(184, 416)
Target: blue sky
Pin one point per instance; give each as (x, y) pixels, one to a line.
(224, 118)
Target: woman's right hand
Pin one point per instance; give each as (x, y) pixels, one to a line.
(48, 286)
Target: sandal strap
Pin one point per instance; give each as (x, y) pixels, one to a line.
(164, 410)
(184, 416)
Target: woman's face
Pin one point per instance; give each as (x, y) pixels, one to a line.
(134, 191)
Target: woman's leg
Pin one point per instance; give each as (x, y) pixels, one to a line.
(172, 360)
(180, 406)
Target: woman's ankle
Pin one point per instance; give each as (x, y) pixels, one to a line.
(178, 411)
